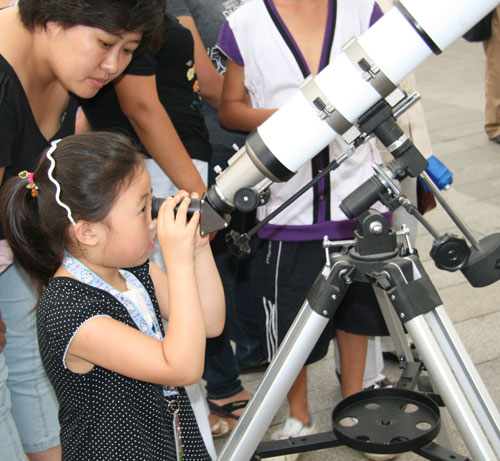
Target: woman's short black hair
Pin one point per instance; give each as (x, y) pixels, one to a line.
(113, 16)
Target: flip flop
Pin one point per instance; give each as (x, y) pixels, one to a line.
(226, 411)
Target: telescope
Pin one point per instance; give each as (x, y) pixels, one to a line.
(353, 97)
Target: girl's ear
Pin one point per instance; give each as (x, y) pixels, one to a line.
(86, 233)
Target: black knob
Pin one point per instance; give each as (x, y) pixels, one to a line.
(246, 199)
(450, 252)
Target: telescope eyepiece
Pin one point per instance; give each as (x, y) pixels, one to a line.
(194, 205)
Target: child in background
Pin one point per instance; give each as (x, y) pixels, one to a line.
(73, 226)
(272, 46)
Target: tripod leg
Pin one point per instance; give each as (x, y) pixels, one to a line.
(467, 374)
(277, 381)
(415, 299)
(404, 351)
(449, 389)
(321, 304)
(394, 326)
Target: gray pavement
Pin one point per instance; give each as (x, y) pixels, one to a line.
(452, 92)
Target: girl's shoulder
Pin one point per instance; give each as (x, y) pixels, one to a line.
(66, 294)
(67, 291)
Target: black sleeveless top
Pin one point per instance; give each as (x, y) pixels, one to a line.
(105, 415)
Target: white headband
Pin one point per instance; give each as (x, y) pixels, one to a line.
(54, 181)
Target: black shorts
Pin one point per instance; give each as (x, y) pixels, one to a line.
(284, 274)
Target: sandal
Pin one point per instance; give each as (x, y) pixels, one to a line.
(220, 428)
(226, 411)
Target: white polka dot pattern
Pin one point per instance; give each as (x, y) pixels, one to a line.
(104, 415)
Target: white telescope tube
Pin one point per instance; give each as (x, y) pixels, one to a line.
(396, 44)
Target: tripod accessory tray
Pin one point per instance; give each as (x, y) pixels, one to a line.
(386, 421)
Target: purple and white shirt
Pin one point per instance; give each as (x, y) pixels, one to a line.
(255, 37)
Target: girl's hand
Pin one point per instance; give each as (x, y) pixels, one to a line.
(202, 241)
(177, 234)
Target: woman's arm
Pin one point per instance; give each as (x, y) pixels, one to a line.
(209, 79)
(140, 103)
(235, 111)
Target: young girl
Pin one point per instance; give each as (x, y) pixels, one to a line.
(50, 51)
(84, 214)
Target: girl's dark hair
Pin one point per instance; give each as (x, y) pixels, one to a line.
(92, 169)
(113, 16)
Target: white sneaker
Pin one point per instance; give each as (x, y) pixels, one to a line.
(379, 457)
(379, 382)
(292, 428)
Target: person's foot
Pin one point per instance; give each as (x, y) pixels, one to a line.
(495, 139)
(218, 426)
(379, 382)
(292, 428)
(379, 457)
(231, 408)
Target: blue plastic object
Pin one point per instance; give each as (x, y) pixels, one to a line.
(439, 173)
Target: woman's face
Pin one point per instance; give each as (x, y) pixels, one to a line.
(85, 58)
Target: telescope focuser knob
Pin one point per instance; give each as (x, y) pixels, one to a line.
(246, 199)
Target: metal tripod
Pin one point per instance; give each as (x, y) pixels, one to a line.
(376, 258)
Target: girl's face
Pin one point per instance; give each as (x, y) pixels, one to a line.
(130, 228)
(85, 58)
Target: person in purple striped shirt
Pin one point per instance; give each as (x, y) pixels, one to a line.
(272, 46)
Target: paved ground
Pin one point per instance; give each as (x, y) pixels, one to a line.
(452, 92)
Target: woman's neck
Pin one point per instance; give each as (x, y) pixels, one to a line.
(26, 51)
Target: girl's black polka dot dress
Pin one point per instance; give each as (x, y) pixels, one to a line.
(104, 415)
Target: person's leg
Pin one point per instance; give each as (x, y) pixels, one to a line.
(239, 272)
(352, 350)
(281, 290)
(297, 399)
(10, 441)
(492, 79)
(243, 324)
(34, 404)
(221, 373)
(374, 364)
